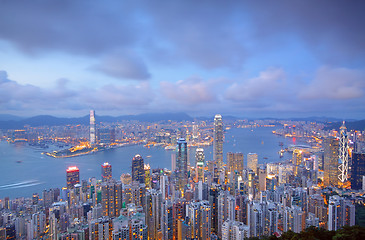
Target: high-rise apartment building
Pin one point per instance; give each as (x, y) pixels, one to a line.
(181, 163)
(138, 169)
(106, 171)
(218, 141)
(111, 198)
(252, 161)
(72, 177)
(343, 167)
(235, 162)
(330, 167)
(357, 170)
(92, 127)
(197, 215)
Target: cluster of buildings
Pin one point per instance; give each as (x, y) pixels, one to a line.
(201, 200)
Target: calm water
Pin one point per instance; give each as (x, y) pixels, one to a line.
(37, 172)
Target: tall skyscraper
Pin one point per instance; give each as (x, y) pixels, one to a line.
(72, 177)
(92, 127)
(138, 169)
(106, 172)
(199, 157)
(343, 168)
(330, 167)
(357, 170)
(252, 161)
(235, 162)
(218, 141)
(181, 163)
(111, 198)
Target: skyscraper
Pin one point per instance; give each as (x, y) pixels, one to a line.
(138, 169)
(92, 127)
(106, 171)
(330, 167)
(357, 170)
(252, 160)
(235, 162)
(72, 177)
(199, 157)
(218, 141)
(343, 168)
(181, 163)
(111, 198)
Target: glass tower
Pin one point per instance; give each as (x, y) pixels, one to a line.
(181, 163)
(218, 141)
(138, 169)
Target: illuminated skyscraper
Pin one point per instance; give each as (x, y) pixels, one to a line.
(235, 162)
(147, 175)
(72, 177)
(199, 157)
(297, 159)
(252, 161)
(138, 169)
(181, 163)
(343, 168)
(106, 172)
(92, 127)
(330, 166)
(218, 141)
(111, 198)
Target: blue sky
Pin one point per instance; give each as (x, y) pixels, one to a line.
(244, 58)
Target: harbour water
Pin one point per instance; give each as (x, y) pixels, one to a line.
(24, 170)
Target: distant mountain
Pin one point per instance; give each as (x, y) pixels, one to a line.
(354, 125)
(46, 120)
(8, 117)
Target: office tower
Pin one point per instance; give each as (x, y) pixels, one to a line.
(101, 228)
(72, 177)
(218, 141)
(235, 162)
(167, 220)
(241, 208)
(153, 212)
(252, 161)
(262, 179)
(106, 172)
(35, 199)
(199, 158)
(181, 163)
(357, 170)
(197, 214)
(195, 131)
(234, 230)
(330, 146)
(92, 128)
(297, 159)
(111, 198)
(138, 169)
(343, 167)
(147, 176)
(126, 178)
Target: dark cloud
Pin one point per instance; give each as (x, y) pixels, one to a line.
(123, 66)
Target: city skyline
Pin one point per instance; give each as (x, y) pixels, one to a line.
(248, 59)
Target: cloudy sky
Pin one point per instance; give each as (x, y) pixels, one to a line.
(252, 58)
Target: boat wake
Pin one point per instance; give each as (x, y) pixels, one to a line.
(22, 184)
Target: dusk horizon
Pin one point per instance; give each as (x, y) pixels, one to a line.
(247, 59)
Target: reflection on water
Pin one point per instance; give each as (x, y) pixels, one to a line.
(25, 171)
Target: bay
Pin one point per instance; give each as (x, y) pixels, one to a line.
(24, 170)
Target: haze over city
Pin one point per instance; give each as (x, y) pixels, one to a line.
(277, 59)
